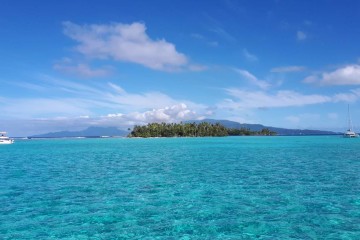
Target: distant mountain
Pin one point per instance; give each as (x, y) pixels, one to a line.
(89, 132)
(259, 127)
(113, 131)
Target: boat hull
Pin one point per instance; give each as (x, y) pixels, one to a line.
(351, 135)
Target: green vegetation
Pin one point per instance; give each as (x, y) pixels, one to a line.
(247, 132)
(203, 129)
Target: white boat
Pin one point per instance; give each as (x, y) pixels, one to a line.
(5, 139)
(350, 133)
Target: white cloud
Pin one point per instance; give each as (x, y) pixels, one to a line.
(288, 69)
(202, 38)
(83, 70)
(351, 96)
(175, 113)
(223, 33)
(311, 79)
(37, 107)
(250, 57)
(197, 68)
(250, 77)
(26, 127)
(243, 99)
(261, 99)
(347, 75)
(213, 43)
(197, 36)
(125, 42)
(96, 104)
(300, 35)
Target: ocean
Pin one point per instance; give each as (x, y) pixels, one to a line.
(181, 188)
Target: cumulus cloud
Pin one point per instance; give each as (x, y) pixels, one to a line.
(286, 69)
(104, 104)
(125, 42)
(347, 75)
(251, 78)
(175, 113)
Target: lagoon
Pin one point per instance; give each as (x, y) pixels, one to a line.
(181, 188)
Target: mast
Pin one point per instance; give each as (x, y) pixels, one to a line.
(349, 119)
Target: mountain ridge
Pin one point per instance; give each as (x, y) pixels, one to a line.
(96, 131)
(88, 132)
(259, 127)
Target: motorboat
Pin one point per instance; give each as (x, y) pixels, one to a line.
(5, 139)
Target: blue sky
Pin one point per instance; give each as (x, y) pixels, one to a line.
(67, 65)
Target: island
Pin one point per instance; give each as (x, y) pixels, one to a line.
(202, 129)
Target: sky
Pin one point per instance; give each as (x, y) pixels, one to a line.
(67, 65)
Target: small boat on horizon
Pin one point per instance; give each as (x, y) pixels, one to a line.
(5, 139)
(350, 133)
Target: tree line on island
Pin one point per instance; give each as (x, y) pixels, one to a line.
(203, 129)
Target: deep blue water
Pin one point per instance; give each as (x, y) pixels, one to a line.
(181, 188)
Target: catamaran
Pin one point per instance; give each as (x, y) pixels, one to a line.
(350, 133)
(5, 139)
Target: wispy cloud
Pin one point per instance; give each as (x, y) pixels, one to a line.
(31, 126)
(38, 107)
(351, 96)
(286, 69)
(223, 33)
(300, 35)
(125, 42)
(79, 99)
(83, 70)
(243, 99)
(261, 99)
(204, 39)
(197, 36)
(197, 68)
(308, 23)
(249, 56)
(252, 79)
(347, 75)
(105, 104)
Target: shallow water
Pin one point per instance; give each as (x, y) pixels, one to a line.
(181, 188)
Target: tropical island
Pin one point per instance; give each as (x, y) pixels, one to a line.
(203, 129)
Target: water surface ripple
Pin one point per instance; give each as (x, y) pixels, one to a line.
(181, 188)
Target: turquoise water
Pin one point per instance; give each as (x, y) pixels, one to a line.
(181, 188)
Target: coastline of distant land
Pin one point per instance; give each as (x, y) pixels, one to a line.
(104, 132)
